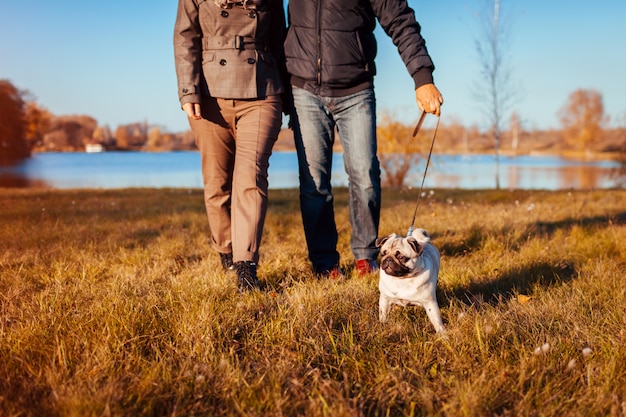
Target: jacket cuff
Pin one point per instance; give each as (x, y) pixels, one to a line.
(189, 98)
(423, 76)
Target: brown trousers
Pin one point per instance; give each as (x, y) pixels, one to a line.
(235, 139)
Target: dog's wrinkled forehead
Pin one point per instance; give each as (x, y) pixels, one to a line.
(394, 245)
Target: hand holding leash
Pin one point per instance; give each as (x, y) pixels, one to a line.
(429, 99)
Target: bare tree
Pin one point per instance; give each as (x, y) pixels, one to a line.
(495, 89)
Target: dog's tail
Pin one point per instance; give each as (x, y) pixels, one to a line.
(421, 236)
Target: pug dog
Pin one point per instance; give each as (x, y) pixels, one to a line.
(409, 270)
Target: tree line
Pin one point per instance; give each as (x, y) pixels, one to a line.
(26, 127)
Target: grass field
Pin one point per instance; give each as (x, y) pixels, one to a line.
(112, 304)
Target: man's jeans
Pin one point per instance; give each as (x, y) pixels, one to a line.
(314, 124)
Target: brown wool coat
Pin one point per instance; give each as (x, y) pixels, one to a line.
(234, 52)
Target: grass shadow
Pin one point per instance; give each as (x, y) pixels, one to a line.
(518, 280)
(453, 244)
(547, 229)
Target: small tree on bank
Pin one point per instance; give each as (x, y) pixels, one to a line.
(398, 151)
(583, 118)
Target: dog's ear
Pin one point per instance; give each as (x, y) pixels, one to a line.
(415, 245)
(381, 241)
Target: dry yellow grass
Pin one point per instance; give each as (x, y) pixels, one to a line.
(111, 303)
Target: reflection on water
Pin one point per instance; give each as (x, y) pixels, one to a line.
(522, 172)
(182, 170)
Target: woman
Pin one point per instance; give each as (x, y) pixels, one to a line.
(230, 70)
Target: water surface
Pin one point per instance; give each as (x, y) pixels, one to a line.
(182, 170)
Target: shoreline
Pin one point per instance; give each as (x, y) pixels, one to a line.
(569, 155)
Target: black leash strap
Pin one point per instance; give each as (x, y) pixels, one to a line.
(432, 144)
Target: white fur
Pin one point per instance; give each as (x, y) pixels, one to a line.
(418, 288)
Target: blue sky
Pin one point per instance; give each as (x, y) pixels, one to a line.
(113, 60)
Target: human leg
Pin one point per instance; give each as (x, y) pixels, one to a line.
(356, 126)
(215, 139)
(257, 127)
(313, 128)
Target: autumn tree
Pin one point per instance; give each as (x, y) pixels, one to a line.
(103, 136)
(70, 132)
(582, 118)
(398, 151)
(184, 140)
(452, 134)
(122, 137)
(131, 136)
(13, 143)
(155, 139)
(37, 122)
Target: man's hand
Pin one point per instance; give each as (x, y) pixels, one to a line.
(429, 99)
(192, 110)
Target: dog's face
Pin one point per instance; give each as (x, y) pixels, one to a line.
(400, 257)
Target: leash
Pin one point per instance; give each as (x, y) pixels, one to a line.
(432, 144)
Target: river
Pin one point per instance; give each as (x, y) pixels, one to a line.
(182, 170)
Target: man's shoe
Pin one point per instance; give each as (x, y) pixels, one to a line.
(365, 267)
(333, 273)
(246, 274)
(227, 261)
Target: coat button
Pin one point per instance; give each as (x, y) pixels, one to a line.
(224, 13)
(251, 60)
(252, 14)
(222, 62)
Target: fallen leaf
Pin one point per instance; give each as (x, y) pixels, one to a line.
(434, 369)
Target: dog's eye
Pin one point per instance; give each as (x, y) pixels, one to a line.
(401, 257)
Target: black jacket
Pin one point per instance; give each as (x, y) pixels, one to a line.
(330, 46)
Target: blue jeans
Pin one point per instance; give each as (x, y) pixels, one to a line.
(314, 121)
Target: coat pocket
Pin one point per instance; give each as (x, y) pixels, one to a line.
(230, 73)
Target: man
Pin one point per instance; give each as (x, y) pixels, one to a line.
(330, 50)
